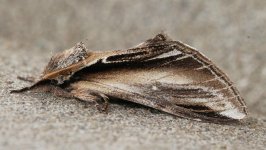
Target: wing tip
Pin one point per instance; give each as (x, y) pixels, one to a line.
(234, 113)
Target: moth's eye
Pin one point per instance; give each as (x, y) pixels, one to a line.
(66, 58)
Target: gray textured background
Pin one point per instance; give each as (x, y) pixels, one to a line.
(231, 33)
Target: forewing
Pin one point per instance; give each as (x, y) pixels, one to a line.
(174, 78)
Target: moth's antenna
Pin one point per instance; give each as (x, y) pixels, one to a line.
(22, 90)
(28, 88)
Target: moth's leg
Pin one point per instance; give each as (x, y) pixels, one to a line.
(100, 100)
(55, 90)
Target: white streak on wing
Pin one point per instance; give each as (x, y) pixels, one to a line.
(188, 45)
(216, 78)
(196, 100)
(216, 103)
(140, 44)
(226, 87)
(179, 58)
(183, 57)
(167, 54)
(203, 67)
(197, 119)
(175, 80)
(104, 60)
(233, 113)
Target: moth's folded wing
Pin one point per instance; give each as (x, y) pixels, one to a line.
(130, 93)
(174, 82)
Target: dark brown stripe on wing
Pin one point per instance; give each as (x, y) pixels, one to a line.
(137, 54)
(124, 57)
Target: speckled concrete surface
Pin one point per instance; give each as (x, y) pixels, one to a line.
(231, 33)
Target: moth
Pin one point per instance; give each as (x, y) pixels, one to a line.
(160, 73)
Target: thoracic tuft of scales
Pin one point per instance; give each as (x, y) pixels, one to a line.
(67, 58)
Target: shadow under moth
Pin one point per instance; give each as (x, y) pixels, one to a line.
(160, 73)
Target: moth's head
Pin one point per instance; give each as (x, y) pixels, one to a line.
(62, 64)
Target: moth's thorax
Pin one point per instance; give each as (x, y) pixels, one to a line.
(62, 65)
